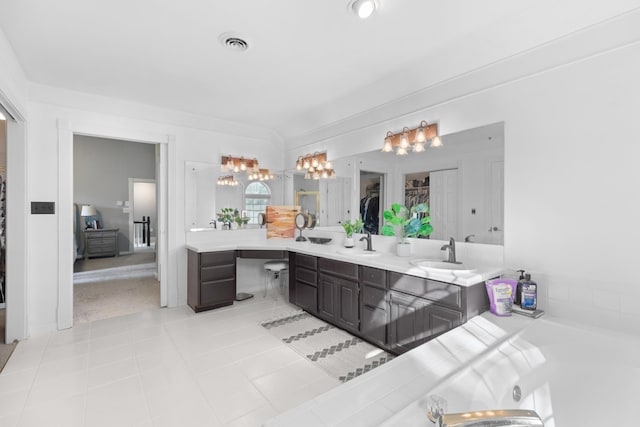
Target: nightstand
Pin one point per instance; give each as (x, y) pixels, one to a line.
(101, 242)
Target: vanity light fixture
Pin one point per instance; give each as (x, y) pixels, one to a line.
(412, 138)
(238, 164)
(363, 8)
(229, 180)
(316, 166)
(261, 175)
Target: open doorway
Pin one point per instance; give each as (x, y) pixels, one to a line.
(371, 200)
(115, 213)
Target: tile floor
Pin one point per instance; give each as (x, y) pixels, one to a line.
(164, 367)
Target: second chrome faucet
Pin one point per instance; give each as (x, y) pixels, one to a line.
(452, 251)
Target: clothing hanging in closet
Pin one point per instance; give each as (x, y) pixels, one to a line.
(370, 213)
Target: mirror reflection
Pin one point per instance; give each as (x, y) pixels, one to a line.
(461, 182)
(204, 198)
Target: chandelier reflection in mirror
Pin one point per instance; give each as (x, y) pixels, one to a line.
(412, 139)
(250, 166)
(229, 180)
(316, 166)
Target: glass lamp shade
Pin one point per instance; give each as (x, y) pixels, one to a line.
(404, 141)
(418, 147)
(402, 151)
(436, 142)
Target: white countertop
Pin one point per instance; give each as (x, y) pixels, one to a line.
(385, 261)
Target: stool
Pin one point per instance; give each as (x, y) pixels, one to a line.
(273, 271)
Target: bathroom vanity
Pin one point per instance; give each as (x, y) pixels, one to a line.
(384, 299)
(392, 310)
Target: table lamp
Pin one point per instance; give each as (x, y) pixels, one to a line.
(88, 211)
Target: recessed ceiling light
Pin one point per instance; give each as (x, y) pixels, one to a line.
(233, 42)
(363, 8)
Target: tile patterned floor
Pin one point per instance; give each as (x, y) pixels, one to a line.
(160, 368)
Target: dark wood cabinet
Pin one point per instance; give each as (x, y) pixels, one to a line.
(211, 281)
(374, 305)
(338, 301)
(392, 310)
(415, 320)
(339, 293)
(303, 281)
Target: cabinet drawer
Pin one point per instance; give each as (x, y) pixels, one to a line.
(262, 254)
(101, 235)
(101, 241)
(374, 297)
(338, 268)
(217, 273)
(307, 276)
(374, 276)
(208, 259)
(217, 291)
(307, 261)
(443, 293)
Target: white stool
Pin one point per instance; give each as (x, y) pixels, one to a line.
(273, 270)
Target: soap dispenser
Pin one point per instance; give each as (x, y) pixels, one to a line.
(529, 299)
(518, 298)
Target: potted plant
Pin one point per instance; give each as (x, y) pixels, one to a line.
(226, 216)
(350, 228)
(403, 223)
(240, 220)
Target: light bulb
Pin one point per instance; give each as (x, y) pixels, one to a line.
(418, 147)
(319, 167)
(402, 151)
(314, 162)
(325, 174)
(306, 164)
(328, 165)
(299, 164)
(236, 168)
(243, 165)
(404, 141)
(436, 142)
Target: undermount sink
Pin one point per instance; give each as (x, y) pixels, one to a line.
(440, 266)
(357, 252)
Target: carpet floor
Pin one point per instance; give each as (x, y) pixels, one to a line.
(108, 298)
(340, 354)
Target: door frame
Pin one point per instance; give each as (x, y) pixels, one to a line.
(66, 130)
(16, 283)
(132, 181)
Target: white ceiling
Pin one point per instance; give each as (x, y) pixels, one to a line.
(309, 62)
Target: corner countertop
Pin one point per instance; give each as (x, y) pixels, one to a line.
(384, 261)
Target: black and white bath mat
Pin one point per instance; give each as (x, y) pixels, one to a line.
(337, 352)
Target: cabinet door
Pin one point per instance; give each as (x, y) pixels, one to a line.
(374, 314)
(306, 297)
(442, 319)
(328, 297)
(409, 322)
(348, 304)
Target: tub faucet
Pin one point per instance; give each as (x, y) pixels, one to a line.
(452, 251)
(368, 239)
(510, 417)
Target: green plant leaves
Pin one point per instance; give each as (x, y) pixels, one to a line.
(405, 222)
(387, 230)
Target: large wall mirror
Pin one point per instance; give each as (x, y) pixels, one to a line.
(462, 183)
(204, 197)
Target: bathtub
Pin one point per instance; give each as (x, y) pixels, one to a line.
(570, 375)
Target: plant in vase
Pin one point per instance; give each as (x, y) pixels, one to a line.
(226, 216)
(350, 228)
(403, 223)
(240, 220)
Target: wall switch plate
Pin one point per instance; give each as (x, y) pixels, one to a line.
(43, 208)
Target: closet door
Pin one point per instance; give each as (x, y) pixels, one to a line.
(443, 187)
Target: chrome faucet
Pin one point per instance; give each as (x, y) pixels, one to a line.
(507, 417)
(368, 239)
(452, 251)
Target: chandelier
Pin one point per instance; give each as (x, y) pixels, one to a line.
(316, 166)
(412, 139)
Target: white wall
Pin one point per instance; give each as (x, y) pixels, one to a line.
(190, 143)
(571, 175)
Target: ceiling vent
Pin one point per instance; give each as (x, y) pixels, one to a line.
(233, 42)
